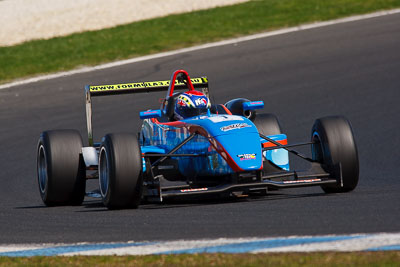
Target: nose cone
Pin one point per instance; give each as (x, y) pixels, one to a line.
(244, 150)
(238, 140)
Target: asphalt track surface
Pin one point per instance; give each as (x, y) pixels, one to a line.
(352, 69)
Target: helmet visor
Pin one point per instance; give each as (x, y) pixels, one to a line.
(195, 112)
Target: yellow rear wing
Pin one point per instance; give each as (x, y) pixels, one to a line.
(131, 88)
(142, 87)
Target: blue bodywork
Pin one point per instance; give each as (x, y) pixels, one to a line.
(226, 143)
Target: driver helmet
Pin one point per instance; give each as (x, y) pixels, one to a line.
(190, 104)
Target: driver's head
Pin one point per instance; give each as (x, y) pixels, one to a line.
(190, 104)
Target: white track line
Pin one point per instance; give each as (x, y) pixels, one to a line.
(199, 47)
(359, 244)
(354, 242)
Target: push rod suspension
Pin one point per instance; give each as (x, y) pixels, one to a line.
(190, 137)
(286, 148)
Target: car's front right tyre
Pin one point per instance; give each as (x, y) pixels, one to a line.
(120, 171)
(61, 171)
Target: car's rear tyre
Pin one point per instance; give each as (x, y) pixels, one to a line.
(120, 171)
(335, 149)
(60, 168)
(235, 106)
(268, 124)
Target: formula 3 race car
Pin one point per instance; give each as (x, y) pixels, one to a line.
(226, 150)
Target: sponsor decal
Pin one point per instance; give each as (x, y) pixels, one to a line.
(302, 181)
(150, 112)
(201, 102)
(127, 86)
(246, 156)
(234, 126)
(194, 189)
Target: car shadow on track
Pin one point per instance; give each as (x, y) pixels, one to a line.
(97, 206)
(32, 207)
(221, 201)
(86, 204)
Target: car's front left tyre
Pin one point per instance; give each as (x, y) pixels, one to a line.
(335, 148)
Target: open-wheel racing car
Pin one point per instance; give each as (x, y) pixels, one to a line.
(195, 147)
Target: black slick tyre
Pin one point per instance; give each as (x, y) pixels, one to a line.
(61, 170)
(336, 150)
(267, 124)
(120, 171)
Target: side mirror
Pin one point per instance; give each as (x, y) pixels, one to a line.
(252, 105)
(150, 114)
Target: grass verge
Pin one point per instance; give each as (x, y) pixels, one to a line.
(390, 258)
(172, 32)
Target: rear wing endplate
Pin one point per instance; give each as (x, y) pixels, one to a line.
(131, 88)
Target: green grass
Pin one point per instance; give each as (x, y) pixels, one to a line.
(390, 258)
(172, 32)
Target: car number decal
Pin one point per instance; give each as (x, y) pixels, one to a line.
(222, 118)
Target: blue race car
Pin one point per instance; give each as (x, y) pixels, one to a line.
(191, 147)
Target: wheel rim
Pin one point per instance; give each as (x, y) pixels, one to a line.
(104, 173)
(42, 169)
(316, 148)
